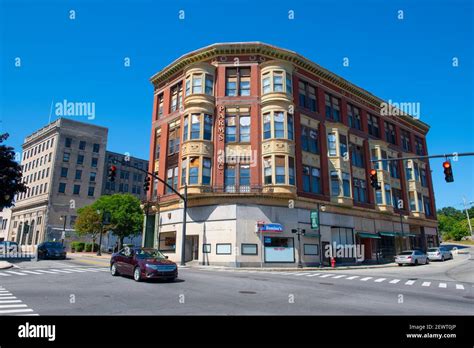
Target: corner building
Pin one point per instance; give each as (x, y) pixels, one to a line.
(262, 136)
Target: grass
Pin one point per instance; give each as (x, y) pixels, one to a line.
(463, 242)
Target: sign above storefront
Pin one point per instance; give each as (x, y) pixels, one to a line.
(271, 228)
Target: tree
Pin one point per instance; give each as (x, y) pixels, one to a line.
(10, 175)
(89, 222)
(126, 214)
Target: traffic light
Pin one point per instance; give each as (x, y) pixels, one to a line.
(146, 184)
(448, 171)
(374, 182)
(112, 173)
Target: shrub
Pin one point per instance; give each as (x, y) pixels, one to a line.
(88, 247)
(78, 246)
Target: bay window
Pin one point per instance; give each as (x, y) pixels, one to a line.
(335, 186)
(332, 144)
(388, 194)
(206, 171)
(199, 83)
(267, 170)
(346, 184)
(280, 122)
(342, 145)
(284, 170)
(197, 126)
(194, 164)
(277, 81)
(280, 169)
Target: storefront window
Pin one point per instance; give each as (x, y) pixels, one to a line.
(279, 249)
(167, 241)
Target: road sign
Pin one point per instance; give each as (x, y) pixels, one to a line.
(314, 220)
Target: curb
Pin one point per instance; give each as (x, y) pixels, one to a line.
(5, 265)
(312, 269)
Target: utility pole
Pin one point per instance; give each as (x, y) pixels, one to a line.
(299, 231)
(467, 213)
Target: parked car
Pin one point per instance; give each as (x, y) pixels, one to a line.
(411, 257)
(51, 250)
(143, 263)
(9, 247)
(439, 253)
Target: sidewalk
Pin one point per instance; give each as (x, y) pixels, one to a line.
(295, 269)
(5, 265)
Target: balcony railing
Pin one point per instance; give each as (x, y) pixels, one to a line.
(236, 189)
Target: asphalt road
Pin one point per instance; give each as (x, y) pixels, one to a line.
(85, 287)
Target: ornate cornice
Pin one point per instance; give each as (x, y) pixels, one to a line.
(272, 52)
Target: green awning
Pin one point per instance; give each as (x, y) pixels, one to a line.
(368, 235)
(397, 234)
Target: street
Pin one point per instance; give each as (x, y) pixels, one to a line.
(85, 287)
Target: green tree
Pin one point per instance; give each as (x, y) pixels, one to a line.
(125, 213)
(460, 229)
(10, 175)
(88, 222)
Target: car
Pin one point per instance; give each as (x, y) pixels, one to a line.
(439, 253)
(142, 264)
(9, 247)
(51, 250)
(411, 257)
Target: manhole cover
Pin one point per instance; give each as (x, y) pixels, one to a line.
(413, 279)
(247, 292)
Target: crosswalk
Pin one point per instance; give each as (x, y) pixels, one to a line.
(11, 305)
(62, 271)
(451, 285)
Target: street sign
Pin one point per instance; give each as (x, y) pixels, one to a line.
(314, 220)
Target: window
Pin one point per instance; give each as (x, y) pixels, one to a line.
(237, 128)
(82, 145)
(332, 108)
(194, 164)
(280, 122)
(335, 187)
(207, 127)
(167, 241)
(396, 197)
(160, 105)
(229, 178)
(307, 96)
(291, 170)
(420, 202)
(332, 144)
(419, 148)
(80, 159)
(176, 97)
(357, 156)
(62, 187)
(346, 184)
(68, 143)
(409, 170)
(280, 169)
(197, 84)
(267, 165)
(66, 157)
(173, 141)
(237, 82)
(92, 176)
(342, 145)
(209, 87)
(172, 179)
(64, 172)
(360, 191)
(94, 162)
(309, 139)
(206, 171)
(390, 134)
(249, 249)
(49, 157)
(195, 126)
(206, 248)
(353, 114)
(406, 142)
(277, 81)
(417, 171)
(96, 148)
(384, 157)
(223, 249)
(394, 170)
(411, 196)
(76, 189)
(90, 192)
(424, 182)
(427, 205)
(373, 125)
(378, 197)
(310, 249)
(311, 180)
(388, 194)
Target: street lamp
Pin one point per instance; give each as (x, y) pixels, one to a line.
(321, 207)
(63, 234)
(299, 231)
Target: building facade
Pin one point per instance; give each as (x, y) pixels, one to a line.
(63, 167)
(262, 137)
(5, 218)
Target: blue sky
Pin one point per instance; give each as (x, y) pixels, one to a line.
(82, 60)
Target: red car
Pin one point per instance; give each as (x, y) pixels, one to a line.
(143, 263)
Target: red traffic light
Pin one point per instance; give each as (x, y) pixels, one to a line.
(373, 172)
(446, 164)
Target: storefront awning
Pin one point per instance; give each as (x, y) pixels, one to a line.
(396, 234)
(368, 235)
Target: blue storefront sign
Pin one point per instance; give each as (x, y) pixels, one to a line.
(271, 228)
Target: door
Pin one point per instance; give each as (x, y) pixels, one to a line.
(192, 248)
(326, 258)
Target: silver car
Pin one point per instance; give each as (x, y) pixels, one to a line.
(411, 257)
(439, 253)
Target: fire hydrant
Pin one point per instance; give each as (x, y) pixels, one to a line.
(333, 262)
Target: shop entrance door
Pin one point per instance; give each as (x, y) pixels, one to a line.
(326, 258)
(192, 248)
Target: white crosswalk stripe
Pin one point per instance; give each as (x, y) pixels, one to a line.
(394, 281)
(366, 278)
(313, 274)
(459, 287)
(352, 277)
(326, 275)
(443, 285)
(48, 272)
(380, 280)
(60, 271)
(31, 272)
(426, 284)
(410, 282)
(18, 273)
(10, 305)
(339, 276)
(4, 274)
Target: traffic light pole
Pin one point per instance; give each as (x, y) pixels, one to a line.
(424, 157)
(185, 205)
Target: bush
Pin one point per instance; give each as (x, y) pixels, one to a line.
(88, 247)
(78, 246)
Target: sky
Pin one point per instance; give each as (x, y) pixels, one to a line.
(51, 51)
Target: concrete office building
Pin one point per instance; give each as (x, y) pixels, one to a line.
(262, 136)
(63, 167)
